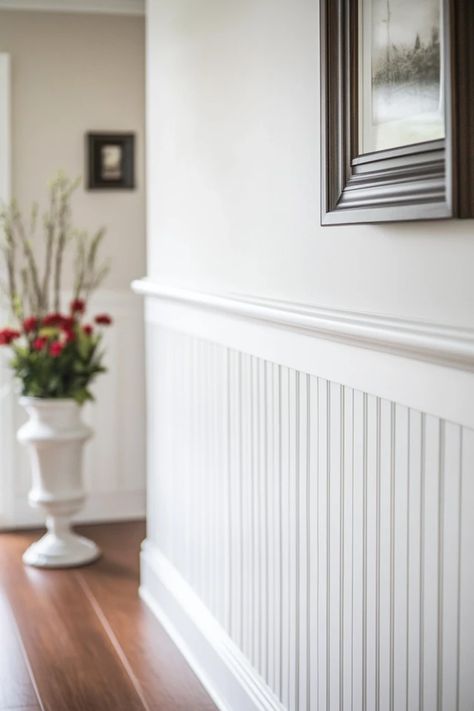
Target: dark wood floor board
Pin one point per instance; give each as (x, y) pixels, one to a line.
(92, 643)
(168, 683)
(72, 659)
(16, 685)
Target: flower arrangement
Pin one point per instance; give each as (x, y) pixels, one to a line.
(54, 354)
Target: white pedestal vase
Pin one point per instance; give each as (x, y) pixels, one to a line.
(55, 437)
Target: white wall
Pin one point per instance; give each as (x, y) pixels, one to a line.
(72, 73)
(310, 465)
(234, 136)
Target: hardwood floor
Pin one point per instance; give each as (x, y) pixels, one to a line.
(82, 640)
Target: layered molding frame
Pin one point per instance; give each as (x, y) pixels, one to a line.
(429, 180)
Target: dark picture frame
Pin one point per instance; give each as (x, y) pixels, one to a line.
(110, 161)
(426, 180)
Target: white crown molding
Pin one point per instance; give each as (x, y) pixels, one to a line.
(440, 344)
(109, 7)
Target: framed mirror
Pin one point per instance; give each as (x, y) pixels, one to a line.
(397, 110)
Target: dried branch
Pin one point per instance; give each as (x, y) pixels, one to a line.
(30, 260)
(29, 291)
(66, 189)
(50, 232)
(89, 276)
(9, 251)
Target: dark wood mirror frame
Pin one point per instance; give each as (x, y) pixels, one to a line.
(431, 180)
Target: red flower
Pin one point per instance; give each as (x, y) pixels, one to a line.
(67, 323)
(30, 324)
(69, 335)
(88, 330)
(8, 335)
(56, 349)
(39, 344)
(53, 319)
(103, 319)
(78, 306)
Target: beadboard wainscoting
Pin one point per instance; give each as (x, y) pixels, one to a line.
(311, 488)
(114, 462)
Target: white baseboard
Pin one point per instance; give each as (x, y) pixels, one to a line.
(99, 508)
(223, 670)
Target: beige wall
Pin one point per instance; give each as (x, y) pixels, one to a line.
(72, 73)
(234, 173)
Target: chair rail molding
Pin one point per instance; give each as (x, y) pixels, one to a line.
(423, 365)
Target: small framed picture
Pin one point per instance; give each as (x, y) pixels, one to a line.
(111, 158)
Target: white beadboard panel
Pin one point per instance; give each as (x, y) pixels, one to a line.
(326, 531)
(114, 460)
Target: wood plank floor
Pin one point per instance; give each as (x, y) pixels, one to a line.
(82, 640)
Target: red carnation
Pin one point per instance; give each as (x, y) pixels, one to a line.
(88, 330)
(39, 344)
(103, 319)
(54, 319)
(56, 349)
(30, 324)
(8, 335)
(78, 306)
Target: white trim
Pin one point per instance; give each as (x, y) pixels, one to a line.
(108, 7)
(224, 671)
(7, 448)
(417, 339)
(5, 128)
(401, 361)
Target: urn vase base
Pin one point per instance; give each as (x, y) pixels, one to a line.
(65, 551)
(55, 436)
